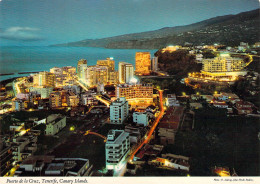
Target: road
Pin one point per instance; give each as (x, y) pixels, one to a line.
(149, 134)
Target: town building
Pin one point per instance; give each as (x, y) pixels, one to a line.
(244, 107)
(137, 95)
(195, 105)
(6, 158)
(112, 77)
(18, 105)
(89, 98)
(55, 100)
(223, 68)
(171, 48)
(23, 147)
(43, 79)
(171, 100)
(135, 133)
(171, 161)
(62, 75)
(142, 63)
(72, 99)
(140, 118)
(154, 64)
(149, 150)
(169, 124)
(43, 165)
(117, 148)
(43, 91)
(97, 75)
(219, 104)
(119, 111)
(125, 72)
(81, 69)
(109, 63)
(54, 123)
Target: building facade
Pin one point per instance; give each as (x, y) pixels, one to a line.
(81, 69)
(137, 95)
(117, 148)
(55, 100)
(43, 79)
(118, 111)
(125, 72)
(142, 63)
(140, 118)
(54, 123)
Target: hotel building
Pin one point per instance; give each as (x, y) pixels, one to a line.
(118, 111)
(109, 63)
(62, 75)
(97, 75)
(43, 79)
(142, 63)
(117, 148)
(137, 95)
(125, 72)
(221, 68)
(81, 69)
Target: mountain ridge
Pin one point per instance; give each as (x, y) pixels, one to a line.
(227, 29)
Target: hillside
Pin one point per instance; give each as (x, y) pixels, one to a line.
(229, 30)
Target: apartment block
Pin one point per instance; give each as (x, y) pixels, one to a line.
(118, 111)
(117, 148)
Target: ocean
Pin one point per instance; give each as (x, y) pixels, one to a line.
(34, 59)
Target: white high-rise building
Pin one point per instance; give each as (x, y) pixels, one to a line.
(118, 111)
(154, 64)
(117, 148)
(82, 69)
(125, 72)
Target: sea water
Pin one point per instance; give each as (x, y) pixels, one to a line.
(33, 59)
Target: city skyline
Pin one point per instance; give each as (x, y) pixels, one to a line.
(50, 22)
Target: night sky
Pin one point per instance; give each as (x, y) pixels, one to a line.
(44, 22)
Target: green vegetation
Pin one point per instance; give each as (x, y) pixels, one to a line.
(178, 63)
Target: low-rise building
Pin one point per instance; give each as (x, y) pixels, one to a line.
(55, 100)
(43, 91)
(42, 165)
(54, 123)
(135, 133)
(220, 104)
(18, 105)
(6, 159)
(169, 124)
(244, 107)
(171, 100)
(118, 111)
(89, 99)
(149, 151)
(24, 146)
(195, 105)
(117, 148)
(171, 161)
(140, 118)
(72, 99)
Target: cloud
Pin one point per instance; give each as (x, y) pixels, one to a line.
(21, 34)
